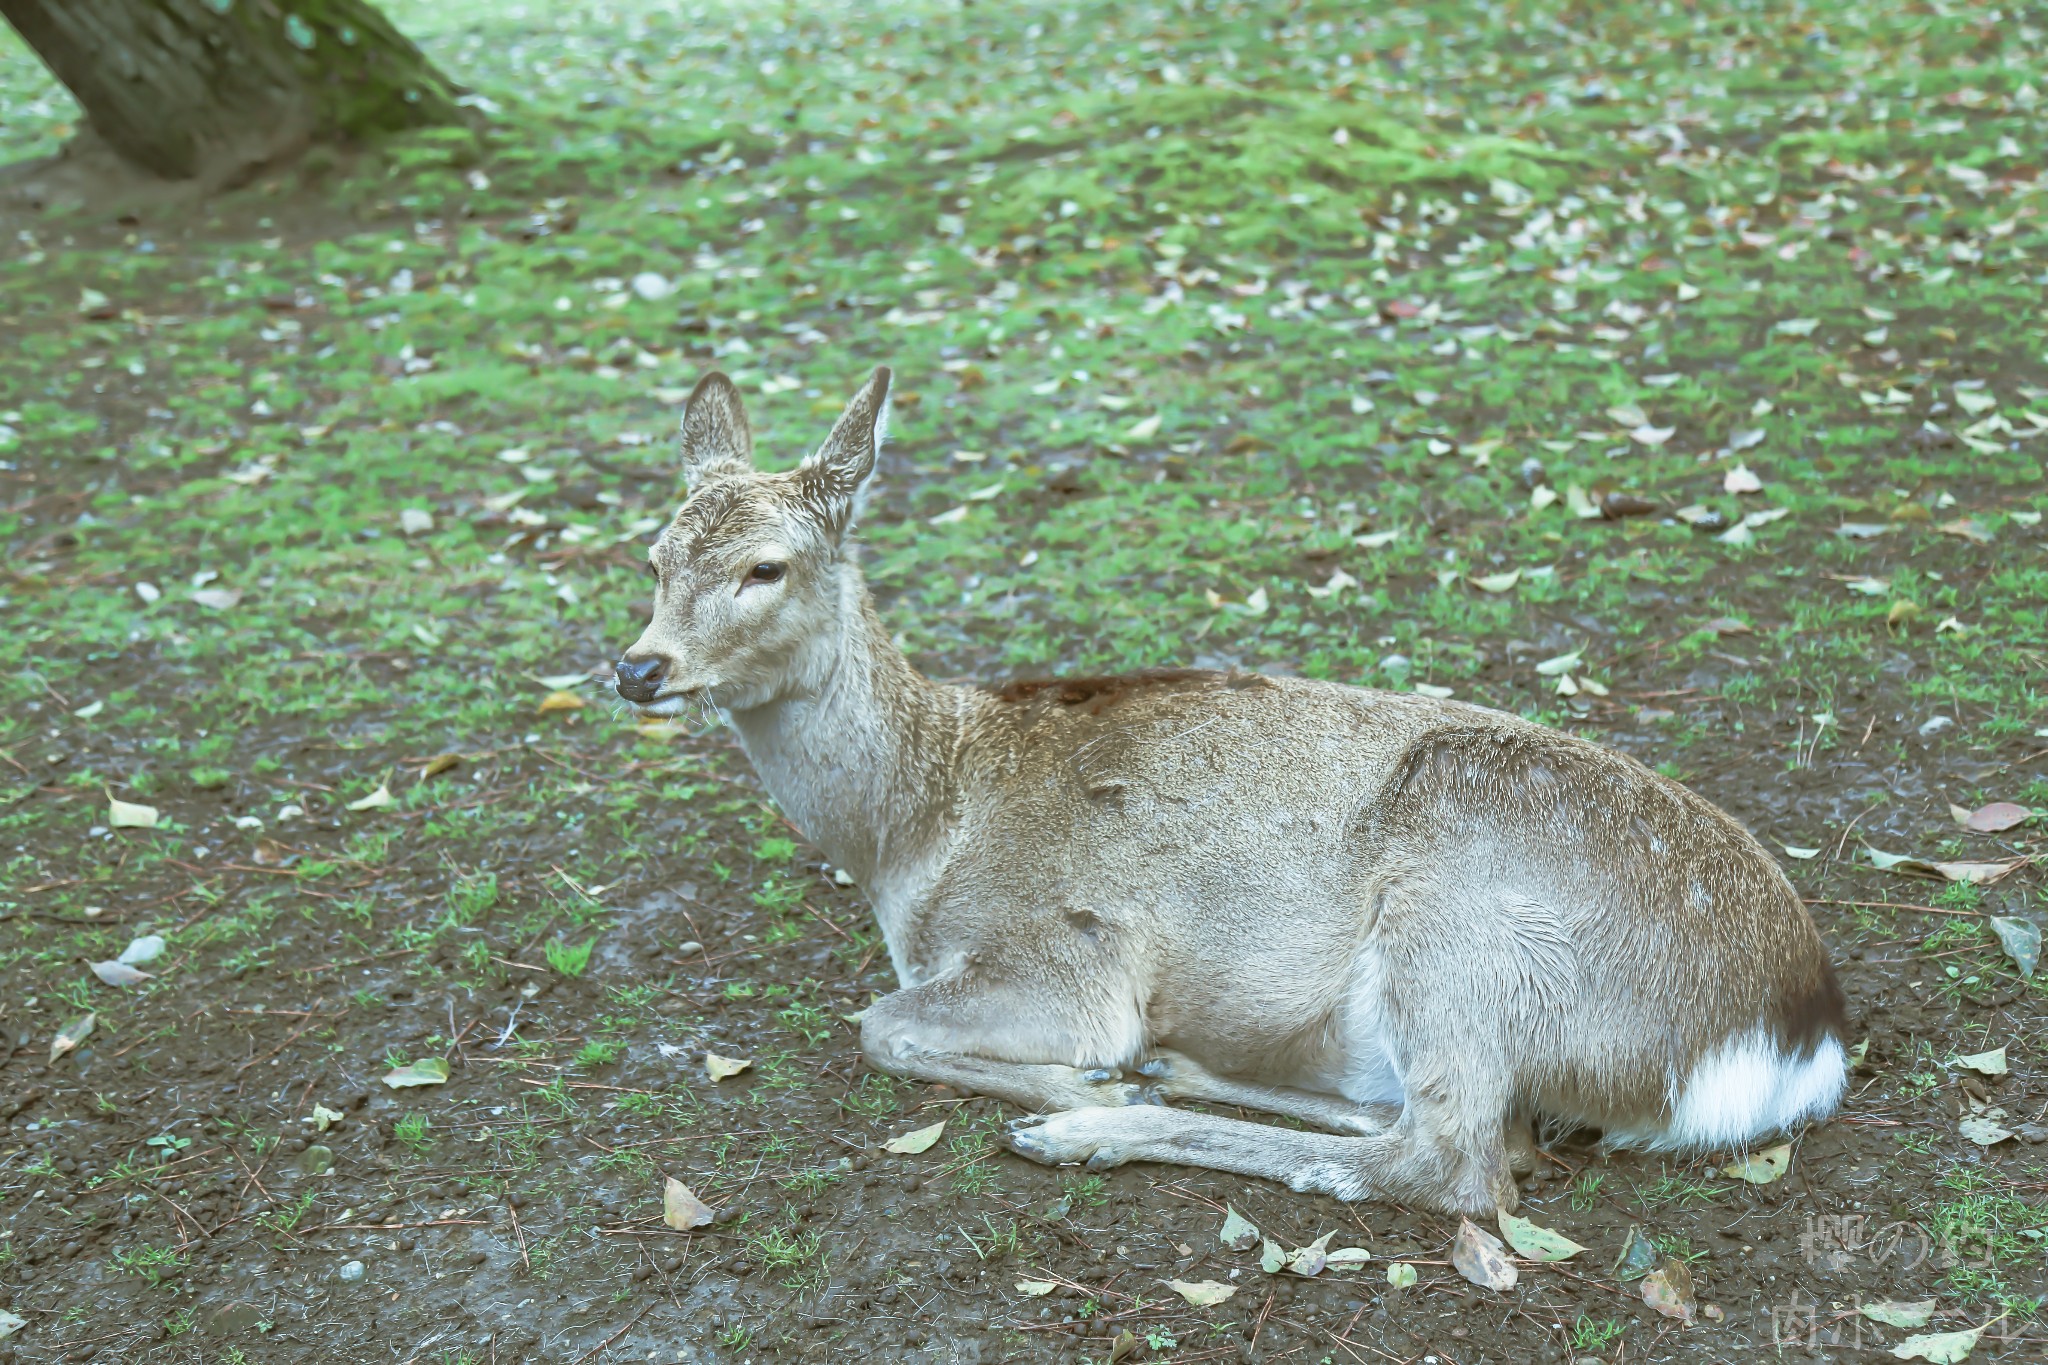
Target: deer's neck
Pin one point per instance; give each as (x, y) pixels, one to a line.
(860, 751)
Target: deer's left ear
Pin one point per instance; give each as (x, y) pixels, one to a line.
(833, 477)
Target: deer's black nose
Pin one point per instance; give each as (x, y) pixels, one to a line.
(637, 681)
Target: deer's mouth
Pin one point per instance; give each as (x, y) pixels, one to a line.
(662, 707)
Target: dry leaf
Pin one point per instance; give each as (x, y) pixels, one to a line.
(1496, 582)
(1037, 1289)
(1742, 479)
(1999, 815)
(722, 1067)
(430, 1071)
(119, 973)
(143, 950)
(916, 1140)
(1480, 1258)
(681, 1209)
(376, 800)
(1400, 1275)
(1761, 1168)
(71, 1035)
(1983, 1131)
(1897, 1314)
(1202, 1293)
(216, 599)
(1942, 1348)
(1668, 1289)
(1990, 1063)
(128, 815)
(2021, 939)
(1536, 1243)
(560, 701)
(1238, 1232)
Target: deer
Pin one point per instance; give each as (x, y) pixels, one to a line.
(1426, 930)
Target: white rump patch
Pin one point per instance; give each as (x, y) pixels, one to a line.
(1747, 1088)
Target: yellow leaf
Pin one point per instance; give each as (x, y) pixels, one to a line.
(915, 1141)
(681, 1209)
(1036, 1289)
(1202, 1293)
(1762, 1167)
(127, 815)
(722, 1067)
(561, 701)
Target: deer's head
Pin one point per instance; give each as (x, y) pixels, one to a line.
(751, 573)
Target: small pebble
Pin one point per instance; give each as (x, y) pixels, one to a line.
(352, 1272)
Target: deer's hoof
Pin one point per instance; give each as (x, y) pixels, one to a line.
(1098, 1074)
(1073, 1135)
(1158, 1068)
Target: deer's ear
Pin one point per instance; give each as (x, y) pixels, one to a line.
(717, 442)
(832, 479)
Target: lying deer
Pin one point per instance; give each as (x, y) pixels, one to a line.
(1418, 925)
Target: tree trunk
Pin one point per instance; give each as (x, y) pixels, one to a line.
(217, 90)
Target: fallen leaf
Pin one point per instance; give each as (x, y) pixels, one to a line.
(431, 1071)
(1480, 1258)
(558, 681)
(722, 1067)
(1800, 853)
(2021, 939)
(1202, 1293)
(1347, 1258)
(1728, 625)
(1400, 1275)
(1941, 1348)
(1896, 1314)
(128, 815)
(681, 1209)
(1638, 1256)
(1310, 1260)
(1536, 1243)
(1990, 1063)
(1628, 415)
(1668, 1289)
(325, 1118)
(119, 973)
(1375, 540)
(71, 1035)
(1980, 874)
(141, 951)
(1563, 663)
(1618, 504)
(1983, 1131)
(414, 521)
(1272, 1257)
(376, 800)
(1238, 1231)
(1999, 815)
(1904, 863)
(1761, 1168)
(216, 599)
(1125, 1343)
(1144, 429)
(1966, 528)
(916, 1140)
(1036, 1289)
(560, 701)
(1868, 586)
(1741, 479)
(1496, 582)
(1795, 327)
(1579, 504)
(10, 1323)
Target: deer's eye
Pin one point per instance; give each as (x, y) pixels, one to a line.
(653, 572)
(766, 573)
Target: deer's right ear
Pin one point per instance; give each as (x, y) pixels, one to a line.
(717, 442)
